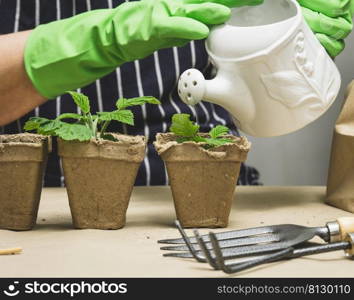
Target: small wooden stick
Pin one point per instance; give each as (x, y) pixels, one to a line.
(10, 251)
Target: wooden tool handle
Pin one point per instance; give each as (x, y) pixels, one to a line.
(10, 251)
(346, 225)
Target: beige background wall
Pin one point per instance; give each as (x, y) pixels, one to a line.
(302, 158)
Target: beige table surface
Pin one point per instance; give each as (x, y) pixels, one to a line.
(54, 249)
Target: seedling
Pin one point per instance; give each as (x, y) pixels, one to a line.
(187, 130)
(87, 125)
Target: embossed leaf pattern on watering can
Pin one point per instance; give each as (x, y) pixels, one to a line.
(304, 87)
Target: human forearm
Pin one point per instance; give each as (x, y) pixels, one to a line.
(17, 94)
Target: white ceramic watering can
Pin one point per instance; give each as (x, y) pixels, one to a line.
(273, 75)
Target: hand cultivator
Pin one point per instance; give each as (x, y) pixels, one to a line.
(262, 244)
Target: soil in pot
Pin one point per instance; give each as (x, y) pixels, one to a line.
(23, 159)
(99, 177)
(203, 181)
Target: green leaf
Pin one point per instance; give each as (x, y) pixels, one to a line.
(104, 116)
(124, 116)
(34, 123)
(218, 131)
(218, 142)
(70, 116)
(183, 126)
(81, 101)
(43, 126)
(199, 139)
(50, 127)
(71, 132)
(123, 103)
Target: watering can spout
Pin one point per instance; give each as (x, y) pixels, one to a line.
(234, 96)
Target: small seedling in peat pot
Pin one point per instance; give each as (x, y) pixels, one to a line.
(187, 130)
(203, 169)
(87, 125)
(100, 168)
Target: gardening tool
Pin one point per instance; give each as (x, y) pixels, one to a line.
(259, 240)
(217, 261)
(274, 77)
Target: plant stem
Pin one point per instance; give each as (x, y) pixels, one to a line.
(104, 127)
(91, 125)
(94, 124)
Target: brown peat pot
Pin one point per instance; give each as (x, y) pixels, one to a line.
(99, 177)
(203, 181)
(23, 159)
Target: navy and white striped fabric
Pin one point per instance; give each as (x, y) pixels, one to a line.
(156, 75)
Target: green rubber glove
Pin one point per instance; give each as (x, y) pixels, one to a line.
(331, 20)
(71, 53)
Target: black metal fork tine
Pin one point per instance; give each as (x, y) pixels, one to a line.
(190, 246)
(235, 252)
(226, 235)
(206, 251)
(234, 268)
(231, 253)
(248, 241)
(219, 259)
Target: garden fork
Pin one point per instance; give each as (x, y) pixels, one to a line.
(217, 261)
(258, 240)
